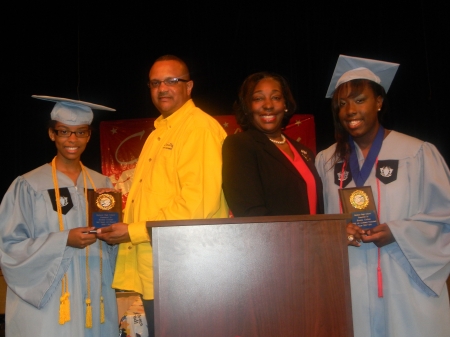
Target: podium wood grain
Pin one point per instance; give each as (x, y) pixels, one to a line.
(267, 276)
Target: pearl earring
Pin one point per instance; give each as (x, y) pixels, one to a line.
(285, 110)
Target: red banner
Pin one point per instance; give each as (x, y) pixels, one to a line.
(121, 143)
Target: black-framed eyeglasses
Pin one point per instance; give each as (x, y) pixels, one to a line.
(68, 133)
(170, 81)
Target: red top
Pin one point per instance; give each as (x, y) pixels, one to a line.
(307, 176)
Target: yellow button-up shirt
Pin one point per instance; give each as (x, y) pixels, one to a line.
(178, 176)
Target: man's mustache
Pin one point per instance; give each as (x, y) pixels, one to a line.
(164, 94)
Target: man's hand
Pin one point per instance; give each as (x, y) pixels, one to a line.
(380, 235)
(116, 233)
(80, 238)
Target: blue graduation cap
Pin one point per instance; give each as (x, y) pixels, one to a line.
(72, 112)
(351, 68)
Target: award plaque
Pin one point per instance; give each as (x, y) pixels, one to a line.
(104, 209)
(359, 202)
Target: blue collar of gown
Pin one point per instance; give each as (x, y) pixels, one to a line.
(360, 176)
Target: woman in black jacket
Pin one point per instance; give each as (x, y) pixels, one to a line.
(265, 172)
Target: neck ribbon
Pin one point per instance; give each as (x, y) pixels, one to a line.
(360, 176)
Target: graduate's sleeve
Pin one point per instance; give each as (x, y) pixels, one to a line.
(242, 184)
(424, 238)
(33, 261)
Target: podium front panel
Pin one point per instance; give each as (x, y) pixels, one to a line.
(280, 278)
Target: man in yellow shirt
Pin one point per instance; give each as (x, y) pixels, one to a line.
(178, 176)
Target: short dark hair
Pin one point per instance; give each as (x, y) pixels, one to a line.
(356, 86)
(242, 109)
(169, 57)
(51, 124)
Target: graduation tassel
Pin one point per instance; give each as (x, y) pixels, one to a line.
(62, 308)
(64, 303)
(380, 282)
(379, 275)
(102, 306)
(88, 298)
(67, 300)
(88, 313)
(102, 311)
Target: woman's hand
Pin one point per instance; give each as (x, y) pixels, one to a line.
(380, 235)
(80, 237)
(354, 235)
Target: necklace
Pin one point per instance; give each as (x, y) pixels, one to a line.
(279, 141)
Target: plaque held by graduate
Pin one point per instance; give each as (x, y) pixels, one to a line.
(359, 202)
(104, 209)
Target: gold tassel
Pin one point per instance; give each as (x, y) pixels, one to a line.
(88, 313)
(62, 309)
(64, 300)
(67, 306)
(102, 311)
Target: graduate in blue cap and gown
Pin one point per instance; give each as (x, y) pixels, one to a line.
(58, 275)
(398, 269)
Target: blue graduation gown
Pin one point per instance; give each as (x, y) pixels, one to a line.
(34, 258)
(416, 207)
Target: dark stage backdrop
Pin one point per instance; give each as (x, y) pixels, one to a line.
(102, 53)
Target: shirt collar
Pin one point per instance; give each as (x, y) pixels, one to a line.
(175, 118)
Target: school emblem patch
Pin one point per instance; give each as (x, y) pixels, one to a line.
(64, 199)
(345, 176)
(387, 171)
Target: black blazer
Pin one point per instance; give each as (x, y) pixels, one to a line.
(259, 180)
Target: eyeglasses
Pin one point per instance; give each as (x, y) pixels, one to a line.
(68, 133)
(170, 81)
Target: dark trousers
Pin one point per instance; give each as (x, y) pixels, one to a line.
(149, 309)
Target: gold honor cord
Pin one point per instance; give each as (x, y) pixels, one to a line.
(64, 300)
(64, 308)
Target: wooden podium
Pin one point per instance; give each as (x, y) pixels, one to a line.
(246, 277)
